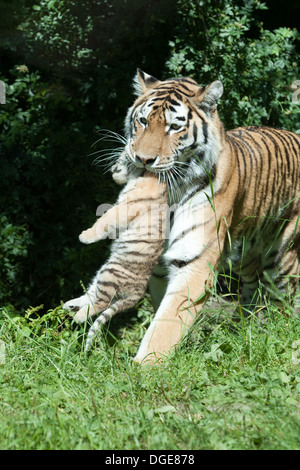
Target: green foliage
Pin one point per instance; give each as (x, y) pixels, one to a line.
(14, 243)
(68, 68)
(42, 137)
(223, 40)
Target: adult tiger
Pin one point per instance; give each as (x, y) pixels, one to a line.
(238, 194)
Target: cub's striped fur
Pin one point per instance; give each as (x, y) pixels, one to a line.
(243, 186)
(140, 217)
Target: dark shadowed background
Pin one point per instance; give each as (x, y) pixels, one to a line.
(68, 68)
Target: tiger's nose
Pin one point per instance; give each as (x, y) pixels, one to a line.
(145, 160)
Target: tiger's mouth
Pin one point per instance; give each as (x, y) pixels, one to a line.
(174, 174)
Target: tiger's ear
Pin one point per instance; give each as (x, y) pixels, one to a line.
(143, 82)
(207, 98)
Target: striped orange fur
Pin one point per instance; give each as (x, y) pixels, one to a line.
(244, 184)
(237, 194)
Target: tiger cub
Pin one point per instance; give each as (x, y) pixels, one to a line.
(140, 217)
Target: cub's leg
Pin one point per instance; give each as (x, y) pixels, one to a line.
(91, 310)
(117, 217)
(119, 306)
(100, 292)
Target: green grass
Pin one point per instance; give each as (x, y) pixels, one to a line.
(231, 385)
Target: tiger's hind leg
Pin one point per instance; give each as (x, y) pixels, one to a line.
(250, 291)
(285, 269)
(285, 277)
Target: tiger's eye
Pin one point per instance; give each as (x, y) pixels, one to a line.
(175, 127)
(143, 121)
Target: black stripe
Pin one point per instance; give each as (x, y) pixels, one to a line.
(277, 175)
(195, 132)
(178, 96)
(184, 136)
(190, 92)
(120, 274)
(193, 193)
(108, 283)
(185, 232)
(134, 253)
(240, 152)
(178, 263)
(173, 102)
(204, 129)
(102, 292)
(235, 152)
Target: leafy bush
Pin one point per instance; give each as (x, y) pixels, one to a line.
(14, 243)
(223, 40)
(68, 72)
(68, 68)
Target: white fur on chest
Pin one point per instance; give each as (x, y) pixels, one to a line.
(187, 236)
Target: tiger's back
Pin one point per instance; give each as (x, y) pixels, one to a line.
(269, 167)
(264, 230)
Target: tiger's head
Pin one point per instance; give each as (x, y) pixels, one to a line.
(171, 127)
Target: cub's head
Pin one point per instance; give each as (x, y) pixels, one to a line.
(172, 128)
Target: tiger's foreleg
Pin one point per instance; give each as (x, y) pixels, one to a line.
(186, 293)
(176, 312)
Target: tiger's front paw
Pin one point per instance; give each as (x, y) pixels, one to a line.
(88, 236)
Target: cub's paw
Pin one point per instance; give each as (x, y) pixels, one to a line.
(119, 173)
(88, 236)
(82, 315)
(70, 306)
(75, 304)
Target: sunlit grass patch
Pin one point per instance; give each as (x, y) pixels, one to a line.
(230, 385)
